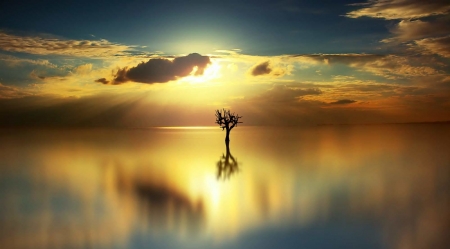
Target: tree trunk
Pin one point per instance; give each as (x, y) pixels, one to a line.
(227, 138)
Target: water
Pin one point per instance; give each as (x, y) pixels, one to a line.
(380, 186)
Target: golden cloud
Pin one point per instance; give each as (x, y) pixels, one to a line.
(409, 30)
(53, 46)
(439, 45)
(400, 9)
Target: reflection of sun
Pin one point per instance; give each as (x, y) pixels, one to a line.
(213, 190)
(211, 72)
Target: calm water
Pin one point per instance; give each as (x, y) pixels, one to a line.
(381, 186)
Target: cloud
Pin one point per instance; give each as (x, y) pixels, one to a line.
(11, 92)
(265, 68)
(103, 81)
(342, 102)
(13, 61)
(439, 45)
(161, 70)
(283, 93)
(400, 9)
(425, 37)
(37, 75)
(429, 36)
(329, 59)
(53, 46)
(261, 69)
(388, 66)
(83, 69)
(393, 67)
(409, 30)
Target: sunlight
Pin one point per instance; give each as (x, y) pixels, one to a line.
(186, 127)
(213, 191)
(210, 73)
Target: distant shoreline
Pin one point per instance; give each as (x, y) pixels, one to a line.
(396, 123)
(212, 126)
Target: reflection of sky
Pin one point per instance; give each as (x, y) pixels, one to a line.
(320, 187)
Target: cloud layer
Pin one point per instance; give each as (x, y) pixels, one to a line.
(401, 9)
(343, 102)
(161, 70)
(422, 25)
(53, 46)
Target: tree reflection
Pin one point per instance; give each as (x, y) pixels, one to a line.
(227, 165)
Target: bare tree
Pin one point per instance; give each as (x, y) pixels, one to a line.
(227, 120)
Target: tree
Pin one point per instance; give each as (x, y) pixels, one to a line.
(227, 120)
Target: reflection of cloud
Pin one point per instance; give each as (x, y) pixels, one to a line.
(162, 70)
(343, 102)
(54, 46)
(330, 175)
(400, 9)
(161, 205)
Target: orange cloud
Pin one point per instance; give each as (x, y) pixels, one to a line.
(439, 45)
(11, 92)
(342, 102)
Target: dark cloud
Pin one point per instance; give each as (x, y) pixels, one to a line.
(343, 102)
(162, 70)
(103, 81)
(261, 69)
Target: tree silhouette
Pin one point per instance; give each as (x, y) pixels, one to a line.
(227, 165)
(227, 120)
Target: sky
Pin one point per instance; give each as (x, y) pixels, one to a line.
(173, 63)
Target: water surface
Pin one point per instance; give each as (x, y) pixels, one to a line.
(377, 186)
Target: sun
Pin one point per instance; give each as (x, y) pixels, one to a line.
(210, 73)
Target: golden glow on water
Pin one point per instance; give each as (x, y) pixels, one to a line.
(100, 186)
(186, 127)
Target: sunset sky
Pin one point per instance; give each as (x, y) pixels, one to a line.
(172, 63)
